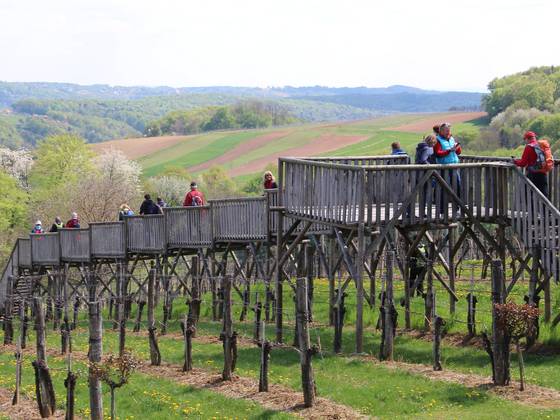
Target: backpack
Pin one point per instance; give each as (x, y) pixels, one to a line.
(196, 200)
(545, 160)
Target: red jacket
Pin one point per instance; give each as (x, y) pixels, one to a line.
(528, 158)
(438, 151)
(194, 198)
(73, 224)
(270, 184)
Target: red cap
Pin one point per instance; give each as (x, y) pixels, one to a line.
(529, 134)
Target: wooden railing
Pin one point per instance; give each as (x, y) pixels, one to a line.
(239, 219)
(24, 252)
(362, 160)
(553, 176)
(45, 249)
(107, 240)
(145, 234)
(537, 221)
(10, 269)
(188, 227)
(74, 245)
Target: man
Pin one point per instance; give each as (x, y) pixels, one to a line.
(194, 197)
(74, 222)
(148, 206)
(447, 152)
(534, 158)
(57, 225)
(396, 149)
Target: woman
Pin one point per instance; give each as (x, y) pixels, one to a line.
(38, 228)
(269, 182)
(425, 151)
(57, 225)
(124, 210)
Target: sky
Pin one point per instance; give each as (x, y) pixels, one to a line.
(432, 44)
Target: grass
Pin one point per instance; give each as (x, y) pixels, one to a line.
(143, 397)
(371, 388)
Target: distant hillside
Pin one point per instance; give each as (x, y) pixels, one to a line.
(32, 111)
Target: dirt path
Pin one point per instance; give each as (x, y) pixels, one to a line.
(240, 150)
(425, 125)
(138, 147)
(323, 144)
(25, 410)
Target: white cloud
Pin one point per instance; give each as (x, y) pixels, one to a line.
(432, 44)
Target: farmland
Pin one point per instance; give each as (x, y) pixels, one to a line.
(246, 152)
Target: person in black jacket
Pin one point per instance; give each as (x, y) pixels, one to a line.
(148, 206)
(57, 225)
(425, 151)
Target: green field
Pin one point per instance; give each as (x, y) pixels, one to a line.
(205, 147)
(358, 381)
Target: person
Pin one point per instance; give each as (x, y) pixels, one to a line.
(124, 210)
(148, 206)
(194, 197)
(447, 152)
(396, 149)
(161, 203)
(57, 225)
(538, 161)
(417, 271)
(269, 181)
(74, 222)
(425, 151)
(38, 228)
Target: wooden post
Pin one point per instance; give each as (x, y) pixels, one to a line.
(331, 277)
(339, 310)
(188, 332)
(155, 356)
(406, 279)
(305, 350)
(65, 330)
(471, 314)
(44, 390)
(227, 331)
(257, 310)
(451, 262)
(499, 336)
(547, 298)
(389, 312)
(8, 312)
(141, 304)
(430, 295)
(279, 277)
(265, 357)
(360, 288)
(19, 356)
(196, 292)
(532, 296)
(436, 351)
(214, 290)
(309, 254)
(76, 308)
(121, 282)
(95, 347)
(166, 283)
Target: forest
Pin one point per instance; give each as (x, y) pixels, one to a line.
(528, 100)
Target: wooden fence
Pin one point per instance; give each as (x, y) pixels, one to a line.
(45, 249)
(74, 245)
(107, 240)
(145, 234)
(188, 227)
(240, 219)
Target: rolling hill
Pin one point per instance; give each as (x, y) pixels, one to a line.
(246, 152)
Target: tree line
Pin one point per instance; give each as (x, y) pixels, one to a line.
(246, 114)
(529, 100)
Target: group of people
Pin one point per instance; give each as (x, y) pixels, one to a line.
(73, 223)
(441, 148)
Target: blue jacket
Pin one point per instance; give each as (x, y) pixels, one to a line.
(398, 152)
(447, 144)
